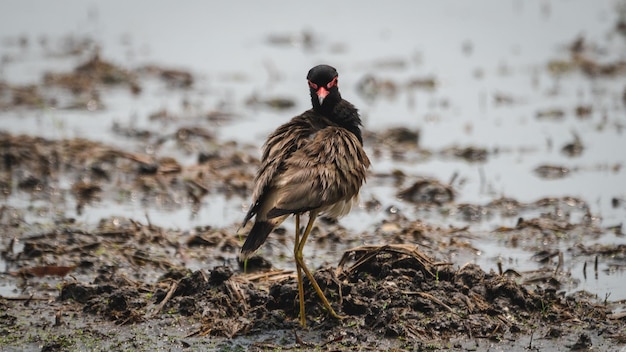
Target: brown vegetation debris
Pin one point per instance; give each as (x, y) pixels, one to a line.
(371, 87)
(174, 78)
(47, 270)
(428, 191)
(552, 171)
(276, 103)
(506, 206)
(584, 57)
(365, 254)
(400, 136)
(550, 114)
(36, 165)
(472, 212)
(470, 154)
(584, 111)
(605, 250)
(22, 96)
(426, 83)
(574, 148)
(92, 73)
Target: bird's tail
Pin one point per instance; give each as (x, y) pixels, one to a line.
(258, 234)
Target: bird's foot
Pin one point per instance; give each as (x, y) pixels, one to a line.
(337, 316)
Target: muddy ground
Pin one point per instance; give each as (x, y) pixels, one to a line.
(120, 283)
(394, 296)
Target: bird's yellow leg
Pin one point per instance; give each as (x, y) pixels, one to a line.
(299, 270)
(300, 263)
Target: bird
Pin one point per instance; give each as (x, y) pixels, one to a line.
(315, 163)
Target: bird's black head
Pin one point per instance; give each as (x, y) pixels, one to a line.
(323, 86)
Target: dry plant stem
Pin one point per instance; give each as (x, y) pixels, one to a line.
(432, 298)
(168, 296)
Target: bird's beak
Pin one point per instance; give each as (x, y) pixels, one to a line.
(321, 94)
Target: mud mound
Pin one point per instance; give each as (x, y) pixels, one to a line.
(391, 290)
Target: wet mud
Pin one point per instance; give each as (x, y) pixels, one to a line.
(392, 296)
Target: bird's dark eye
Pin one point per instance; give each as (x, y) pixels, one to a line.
(312, 85)
(332, 83)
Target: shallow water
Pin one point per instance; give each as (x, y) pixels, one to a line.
(476, 52)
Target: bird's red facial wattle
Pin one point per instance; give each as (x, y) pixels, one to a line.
(323, 91)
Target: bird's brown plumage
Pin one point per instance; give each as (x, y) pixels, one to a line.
(310, 162)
